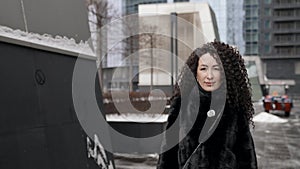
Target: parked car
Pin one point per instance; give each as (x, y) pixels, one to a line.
(277, 99)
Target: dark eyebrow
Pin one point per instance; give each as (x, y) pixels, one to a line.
(207, 65)
(216, 65)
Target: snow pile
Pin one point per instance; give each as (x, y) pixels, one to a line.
(47, 40)
(139, 118)
(138, 99)
(268, 118)
(135, 155)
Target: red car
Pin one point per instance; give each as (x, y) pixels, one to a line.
(277, 99)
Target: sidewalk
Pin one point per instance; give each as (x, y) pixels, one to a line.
(278, 144)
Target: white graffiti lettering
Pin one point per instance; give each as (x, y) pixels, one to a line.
(96, 151)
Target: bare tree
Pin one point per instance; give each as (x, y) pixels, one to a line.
(101, 12)
(140, 36)
(130, 29)
(150, 40)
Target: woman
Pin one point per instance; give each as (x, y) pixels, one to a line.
(211, 132)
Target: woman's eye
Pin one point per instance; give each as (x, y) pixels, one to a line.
(217, 68)
(202, 69)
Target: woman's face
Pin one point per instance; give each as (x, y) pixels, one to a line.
(208, 73)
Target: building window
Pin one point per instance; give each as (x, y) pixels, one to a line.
(252, 49)
(297, 25)
(297, 12)
(284, 50)
(284, 38)
(284, 25)
(297, 68)
(268, 1)
(268, 12)
(267, 37)
(251, 25)
(253, 12)
(267, 49)
(251, 37)
(267, 24)
(251, 2)
(297, 37)
(284, 13)
(297, 50)
(181, 0)
(283, 1)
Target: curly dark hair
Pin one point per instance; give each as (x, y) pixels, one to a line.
(239, 90)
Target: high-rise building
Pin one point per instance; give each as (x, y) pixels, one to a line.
(279, 40)
(251, 27)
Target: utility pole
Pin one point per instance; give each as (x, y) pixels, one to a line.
(174, 48)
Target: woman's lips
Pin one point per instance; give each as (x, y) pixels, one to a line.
(209, 83)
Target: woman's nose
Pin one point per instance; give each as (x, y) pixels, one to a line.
(210, 75)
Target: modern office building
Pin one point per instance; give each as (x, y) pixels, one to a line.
(131, 66)
(272, 32)
(115, 59)
(279, 40)
(251, 27)
(131, 6)
(189, 24)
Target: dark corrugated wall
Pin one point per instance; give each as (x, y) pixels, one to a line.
(38, 124)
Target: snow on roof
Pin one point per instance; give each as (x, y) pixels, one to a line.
(45, 42)
(138, 118)
(268, 118)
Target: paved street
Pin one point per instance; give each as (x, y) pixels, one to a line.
(277, 141)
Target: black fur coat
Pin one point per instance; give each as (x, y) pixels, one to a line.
(229, 147)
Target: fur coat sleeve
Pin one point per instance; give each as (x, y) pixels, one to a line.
(244, 147)
(169, 159)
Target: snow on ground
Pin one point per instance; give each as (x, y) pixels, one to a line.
(138, 161)
(63, 43)
(268, 118)
(139, 118)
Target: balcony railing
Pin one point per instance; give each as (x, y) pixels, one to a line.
(286, 18)
(277, 30)
(287, 43)
(286, 5)
(279, 56)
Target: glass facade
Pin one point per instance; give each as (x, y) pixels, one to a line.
(131, 6)
(251, 27)
(229, 15)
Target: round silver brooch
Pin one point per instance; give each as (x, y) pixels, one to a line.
(211, 113)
